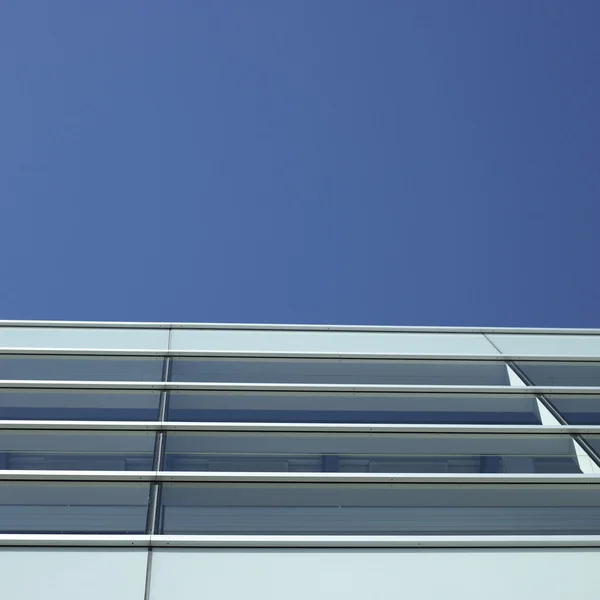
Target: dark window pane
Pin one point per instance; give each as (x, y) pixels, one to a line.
(257, 407)
(82, 450)
(348, 371)
(380, 509)
(556, 373)
(80, 405)
(593, 441)
(65, 507)
(81, 368)
(369, 453)
(582, 410)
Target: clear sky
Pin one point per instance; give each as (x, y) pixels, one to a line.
(321, 161)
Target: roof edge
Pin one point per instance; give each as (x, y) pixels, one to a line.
(296, 327)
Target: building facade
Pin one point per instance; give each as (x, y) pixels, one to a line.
(158, 461)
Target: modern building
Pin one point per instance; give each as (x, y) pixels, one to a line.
(168, 461)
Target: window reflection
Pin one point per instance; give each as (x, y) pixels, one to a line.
(61, 507)
(76, 450)
(341, 371)
(276, 407)
(379, 509)
(80, 368)
(369, 453)
(78, 405)
(567, 373)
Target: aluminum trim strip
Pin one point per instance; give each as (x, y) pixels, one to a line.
(132, 352)
(34, 539)
(375, 541)
(295, 327)
(294, 387)
(300, 541)
(35, 425)
(74, 475)
(270, 477)
(133, 426)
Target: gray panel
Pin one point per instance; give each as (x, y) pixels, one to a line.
(339, 371)
(369, 453)
(374, 574)
(379, 509)
(327, 341)
(81, 450)
(59, 574)
(95, 338)
(546, 344)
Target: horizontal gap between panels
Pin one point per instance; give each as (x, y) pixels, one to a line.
(285, 477)
(294, 327)
(301, 541)
(296, 427)
(233, 354)
(293, 387)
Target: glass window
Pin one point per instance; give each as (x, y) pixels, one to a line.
(67, 507)
(81, 368)
(379, 509)
(83, 450)
(348, 371)
(567, 373)
(593, 441)
(80, 405)
(307, 407)
(369, 453)
(577, 410)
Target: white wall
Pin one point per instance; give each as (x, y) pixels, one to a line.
(547, 344)
(420, 574)
(329, 341)
(72, 574)
(295, 574)
(93, 338)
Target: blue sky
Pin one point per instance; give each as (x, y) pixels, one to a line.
(337, 161)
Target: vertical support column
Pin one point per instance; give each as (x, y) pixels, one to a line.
(153, 522)
(159, 456)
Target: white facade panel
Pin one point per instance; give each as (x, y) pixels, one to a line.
(82, 338)
(224, 340)
(546, 344)
(73, 574)
(375, 574)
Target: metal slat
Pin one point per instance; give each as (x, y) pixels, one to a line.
(302, 541)
(322, 478)
(133, 352)
(293, 387)
(324, 428)
(296, 327)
